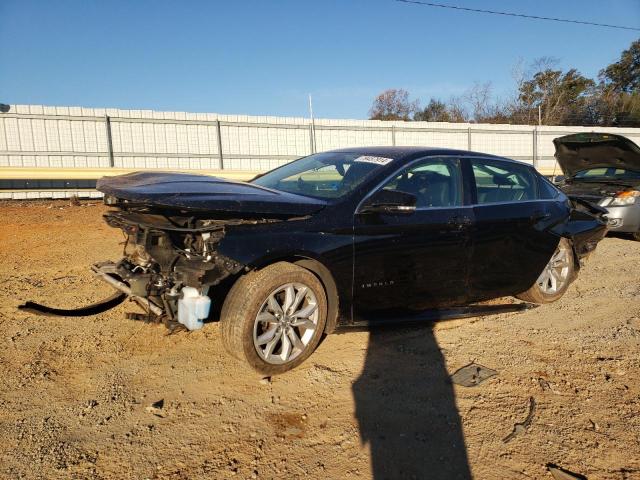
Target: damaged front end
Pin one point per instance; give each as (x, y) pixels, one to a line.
(173, 225)
(170, 262)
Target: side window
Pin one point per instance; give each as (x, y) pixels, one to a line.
(436, 182)
(546, 189)
(498, 182)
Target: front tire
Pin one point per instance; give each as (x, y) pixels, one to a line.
(555, 278)
(274, 318)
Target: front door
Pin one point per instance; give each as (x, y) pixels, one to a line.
(417, 260)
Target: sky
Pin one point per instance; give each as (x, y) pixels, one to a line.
(264, 57)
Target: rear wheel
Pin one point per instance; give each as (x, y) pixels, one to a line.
(555, 278)
(636, 236)
(274, 318)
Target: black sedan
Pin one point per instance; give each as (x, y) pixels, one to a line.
(340, 238)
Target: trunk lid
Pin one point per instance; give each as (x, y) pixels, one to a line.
(203, 193)
(593, 150)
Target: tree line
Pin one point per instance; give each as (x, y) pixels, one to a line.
(544, 94)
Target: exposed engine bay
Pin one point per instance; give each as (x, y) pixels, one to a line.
(170, 262)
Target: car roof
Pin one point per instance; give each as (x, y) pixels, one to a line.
(409, 153)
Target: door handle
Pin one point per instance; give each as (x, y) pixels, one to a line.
(460, 221)
(539, 215)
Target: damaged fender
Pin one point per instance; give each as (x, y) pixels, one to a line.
(584, 227)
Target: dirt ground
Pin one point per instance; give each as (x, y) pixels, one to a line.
(77, 394)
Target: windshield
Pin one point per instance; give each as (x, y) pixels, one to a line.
(607, 173)
(323, 175)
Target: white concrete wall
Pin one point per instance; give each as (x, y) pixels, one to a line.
(40, 136)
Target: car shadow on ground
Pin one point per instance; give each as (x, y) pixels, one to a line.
(406, 410)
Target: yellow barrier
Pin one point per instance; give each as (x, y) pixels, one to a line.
(39, 173)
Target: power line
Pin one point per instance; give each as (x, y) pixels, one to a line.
(520, 15)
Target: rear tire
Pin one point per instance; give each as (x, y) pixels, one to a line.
(274, 318)
(555, 278)
(636, 236)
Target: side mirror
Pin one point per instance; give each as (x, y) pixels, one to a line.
(389, 201)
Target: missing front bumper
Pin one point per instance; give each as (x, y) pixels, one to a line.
(112, 274)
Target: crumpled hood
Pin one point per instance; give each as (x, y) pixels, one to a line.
(205, 193)
(592, 150)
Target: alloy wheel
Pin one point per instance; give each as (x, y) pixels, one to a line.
(286, 323)
(556, 273)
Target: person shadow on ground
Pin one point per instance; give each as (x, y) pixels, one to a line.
(406, 410)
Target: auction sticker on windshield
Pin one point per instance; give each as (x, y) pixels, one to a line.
(372, 159)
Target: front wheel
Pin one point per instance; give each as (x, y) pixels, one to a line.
(555, 278)
(274, 318)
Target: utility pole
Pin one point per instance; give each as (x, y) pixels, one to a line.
(107, 127)
(539, 115)
(313, 126)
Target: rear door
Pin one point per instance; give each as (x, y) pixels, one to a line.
(415, 260)
(511, 244)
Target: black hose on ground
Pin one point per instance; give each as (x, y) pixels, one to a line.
(93, 309)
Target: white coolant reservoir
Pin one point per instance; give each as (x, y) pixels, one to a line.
(193, 308)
